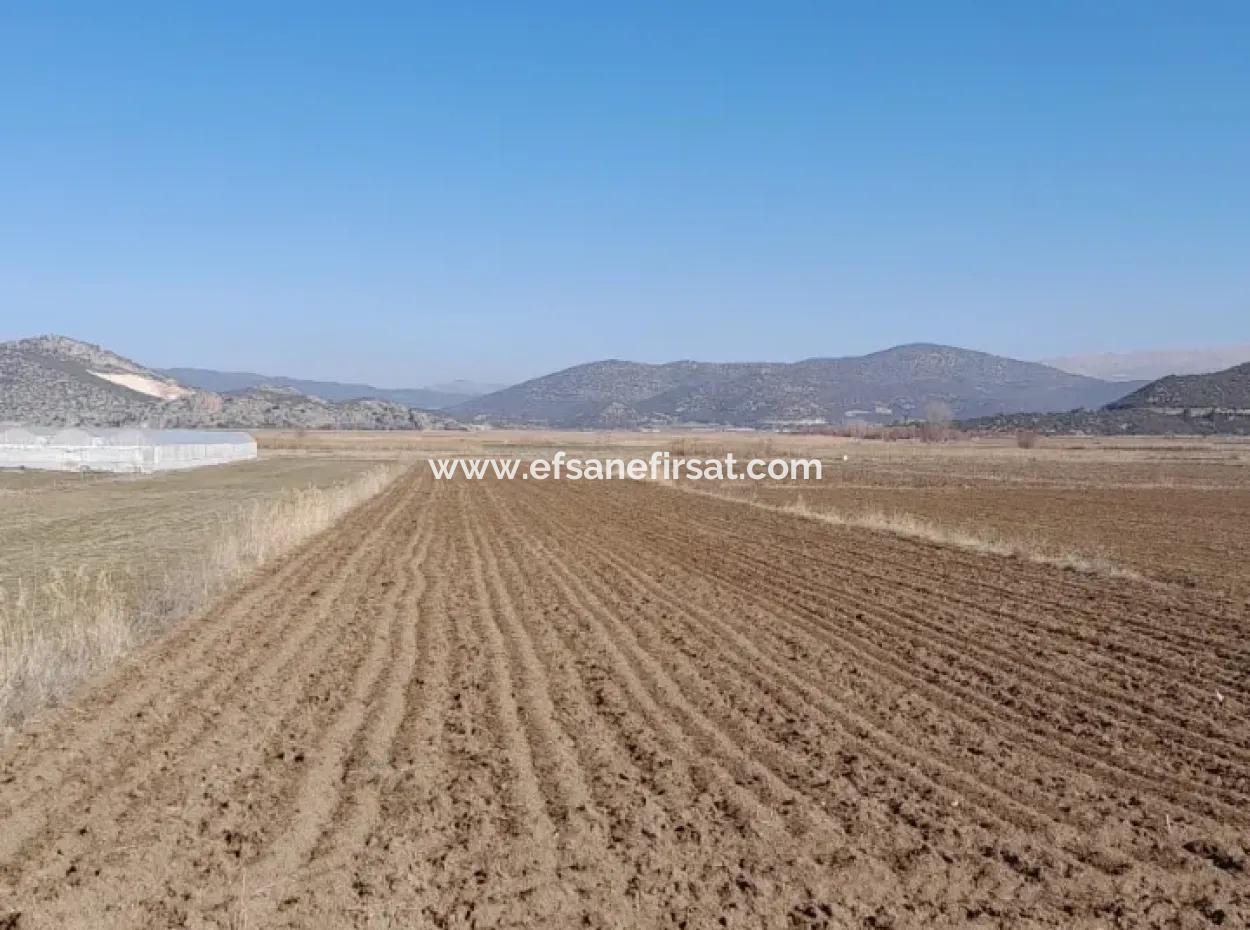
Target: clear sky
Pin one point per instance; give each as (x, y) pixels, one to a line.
(406, 193)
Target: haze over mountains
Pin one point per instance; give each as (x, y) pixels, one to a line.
(1150, 364)
(902, 383)
(431, 398)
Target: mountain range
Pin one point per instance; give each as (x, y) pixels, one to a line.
(55, 380)
(435, 397)
(906, 382)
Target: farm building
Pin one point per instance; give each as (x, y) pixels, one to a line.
(120, 450)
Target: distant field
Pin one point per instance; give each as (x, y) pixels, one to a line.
(142, 526)
(440, 442)
(1172, 511)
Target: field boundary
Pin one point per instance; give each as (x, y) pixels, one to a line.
(911, 526)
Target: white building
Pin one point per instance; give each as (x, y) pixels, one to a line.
(120, 450)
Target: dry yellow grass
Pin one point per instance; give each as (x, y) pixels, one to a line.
(65, 626)
(987, 542)
(141, 526)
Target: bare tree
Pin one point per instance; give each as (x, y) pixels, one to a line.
(937, 421)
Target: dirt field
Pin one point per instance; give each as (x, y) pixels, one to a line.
(1174, 511)
(625, 705)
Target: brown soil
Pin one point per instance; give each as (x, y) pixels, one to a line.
(622, 705)
(1186, 536)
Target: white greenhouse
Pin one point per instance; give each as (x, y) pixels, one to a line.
(120, 450)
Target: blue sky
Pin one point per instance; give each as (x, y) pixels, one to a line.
(409, 193)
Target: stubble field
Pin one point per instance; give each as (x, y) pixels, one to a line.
(91, 565)
(627, 705)
(127, 523)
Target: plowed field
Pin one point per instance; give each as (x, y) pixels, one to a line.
(622, 705)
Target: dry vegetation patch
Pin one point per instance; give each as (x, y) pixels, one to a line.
(60, 623)
(989, 541)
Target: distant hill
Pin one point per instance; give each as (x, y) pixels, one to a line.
(1210, 404)
(1152, 364)
(903, 383)
(433, 398)
(598, 394)
(58, 381)
(274, 407)
(1225, 391)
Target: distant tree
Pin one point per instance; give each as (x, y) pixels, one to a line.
(937, 421)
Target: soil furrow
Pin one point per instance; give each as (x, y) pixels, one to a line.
(612, 705)
(1031, 706)
(1216, 620)
(355, 745)
(1057, 809)
(945, 593)
(859, 729)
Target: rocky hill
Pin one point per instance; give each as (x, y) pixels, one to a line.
(57, 381)
(54, 380)
(904, 383)
(273, 407)
(1225, 391)
(1182, 405)
(612, 394)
